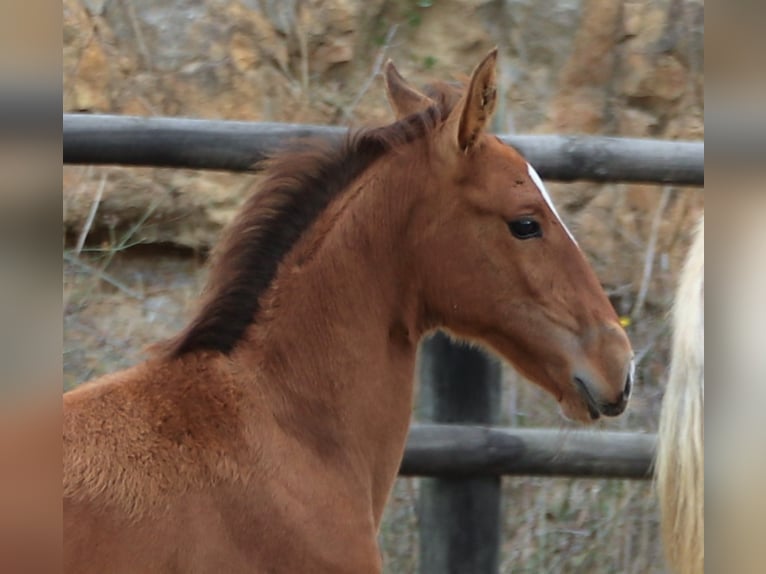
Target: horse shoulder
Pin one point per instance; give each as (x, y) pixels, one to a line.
(137, 437)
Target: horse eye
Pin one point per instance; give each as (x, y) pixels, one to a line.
(525, 228)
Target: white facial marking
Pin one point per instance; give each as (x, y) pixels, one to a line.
(548, 200)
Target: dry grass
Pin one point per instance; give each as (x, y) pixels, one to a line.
(105, 328)
(551, 525)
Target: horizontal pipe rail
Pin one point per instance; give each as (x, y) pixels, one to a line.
(458, 450)
(239, 146)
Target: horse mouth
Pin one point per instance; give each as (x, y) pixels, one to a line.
(597, 408)
(590, 402)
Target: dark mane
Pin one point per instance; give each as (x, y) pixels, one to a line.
(300, 183)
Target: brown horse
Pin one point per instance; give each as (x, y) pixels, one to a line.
(680, 466)
(266, 436)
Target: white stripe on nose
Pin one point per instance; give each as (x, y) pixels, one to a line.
(544, 192)
(631, 378)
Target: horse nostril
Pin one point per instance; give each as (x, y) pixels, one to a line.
(629, 379)
(593, 408)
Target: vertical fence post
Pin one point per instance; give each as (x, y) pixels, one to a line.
(459, 517)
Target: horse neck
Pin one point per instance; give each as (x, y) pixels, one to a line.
(337, 336)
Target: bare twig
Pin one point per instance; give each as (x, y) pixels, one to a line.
(304, 48)
(114, 248)
(103, 275)
(125, 239)
(91, 215)
(650, 343)
(131, 11)
(651, 248)
(377, 65)
(572, 531)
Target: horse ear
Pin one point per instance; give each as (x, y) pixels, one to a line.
(404, 99)
(478, 104)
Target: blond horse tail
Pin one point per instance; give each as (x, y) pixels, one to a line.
(680, 451)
